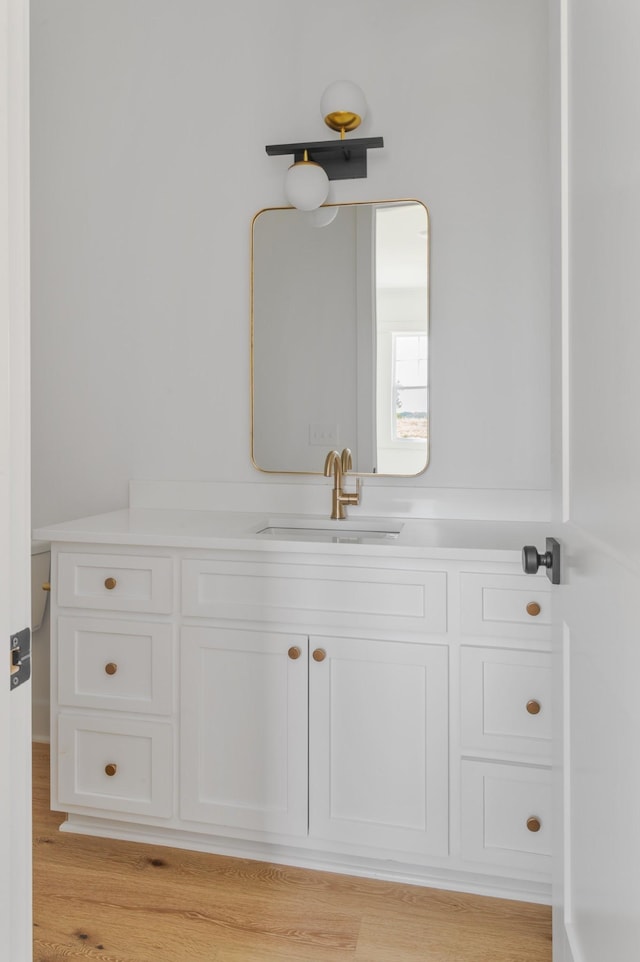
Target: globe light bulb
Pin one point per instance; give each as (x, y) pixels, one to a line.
(343, 106)
(306, 184)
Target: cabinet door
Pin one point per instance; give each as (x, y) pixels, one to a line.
(378, 744)
(244, 701)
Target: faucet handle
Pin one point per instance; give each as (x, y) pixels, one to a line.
(352, 497)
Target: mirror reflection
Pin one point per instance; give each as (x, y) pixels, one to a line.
(339, 328)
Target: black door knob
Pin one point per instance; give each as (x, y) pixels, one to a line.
(532, 560)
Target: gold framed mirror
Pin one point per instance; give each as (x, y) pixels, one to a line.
(340, 337)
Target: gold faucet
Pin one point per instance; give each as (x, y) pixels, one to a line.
(340, 464)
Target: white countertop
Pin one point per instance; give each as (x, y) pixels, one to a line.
(468, 540)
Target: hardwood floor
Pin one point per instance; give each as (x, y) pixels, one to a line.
(124, 902)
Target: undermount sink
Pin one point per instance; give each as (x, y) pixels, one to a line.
(317, 529)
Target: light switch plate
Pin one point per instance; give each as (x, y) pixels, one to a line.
(324, 435)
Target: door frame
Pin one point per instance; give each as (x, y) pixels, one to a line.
(15, 522)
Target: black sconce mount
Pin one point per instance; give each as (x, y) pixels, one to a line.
(340, 159)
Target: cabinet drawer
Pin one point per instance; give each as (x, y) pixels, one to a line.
(115, 582)
(506, 815)
(516, 606)
(506, 701)
(140, 754)
(313, 595)
(122, 665)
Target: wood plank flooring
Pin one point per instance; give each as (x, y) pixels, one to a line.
(96, 899)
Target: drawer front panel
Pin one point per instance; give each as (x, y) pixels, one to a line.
(314, 595)
(516, 606)
(121, 665)
(506, 701)
(140, 752)
(115, 582)
(506, 815)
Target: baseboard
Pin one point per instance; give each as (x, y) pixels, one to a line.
(447, 880)
(572, 950)
(40, 739)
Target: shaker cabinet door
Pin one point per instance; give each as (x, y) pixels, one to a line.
(244, 730)
(378, 744)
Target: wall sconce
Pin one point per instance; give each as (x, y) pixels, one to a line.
(316, 163)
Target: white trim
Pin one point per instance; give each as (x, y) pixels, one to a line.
(572, 950)
(564, 258)
(15, 705)
(566, 774)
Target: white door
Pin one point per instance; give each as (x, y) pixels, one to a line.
(597, 895)
(15, 704)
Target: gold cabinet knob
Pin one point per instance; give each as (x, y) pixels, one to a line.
(294, 652)
(46, 586)
(533, 707)
(110, 583)
(110, 769)
(533, 609)
(319, 654)
(534, 824)
(111, 668)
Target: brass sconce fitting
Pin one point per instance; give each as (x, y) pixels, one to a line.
(343, 107)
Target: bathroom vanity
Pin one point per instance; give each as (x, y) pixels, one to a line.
(370, 697)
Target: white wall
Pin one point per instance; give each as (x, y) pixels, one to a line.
(150, 119)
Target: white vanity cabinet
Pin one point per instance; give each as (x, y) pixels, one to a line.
(368, 711)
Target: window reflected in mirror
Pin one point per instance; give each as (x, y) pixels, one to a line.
(339, 334)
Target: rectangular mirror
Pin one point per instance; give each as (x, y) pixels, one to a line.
(339, 337)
